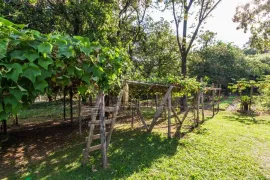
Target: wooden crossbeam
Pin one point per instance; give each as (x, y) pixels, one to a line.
(159, 109)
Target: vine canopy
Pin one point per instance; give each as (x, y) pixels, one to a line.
(30, 62)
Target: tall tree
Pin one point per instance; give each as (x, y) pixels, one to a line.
(181, 12)
(255, 16)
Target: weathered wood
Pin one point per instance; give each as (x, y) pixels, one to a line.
(176, 116)
(141, 116)
(213, 99)
(251, 98)
(219, 94)
(65, 94)
(160, 108)
(156, 101)
(103, 138)
(202, 101)
(91, 130)
(114, 118)
(71, 103)
(178, 129)
(132, 113)
(97, 122)
(198, 107)
(96, 147)
(169, 114)
(79, 113)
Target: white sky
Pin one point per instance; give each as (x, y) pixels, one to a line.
(220, 22)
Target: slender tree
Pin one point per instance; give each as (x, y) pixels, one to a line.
(181, 12)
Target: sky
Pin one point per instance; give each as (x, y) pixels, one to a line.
(220, 22)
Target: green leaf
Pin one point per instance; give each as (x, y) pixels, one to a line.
(82, 89)
(11, 100)
(33, 44)
(86, 78)
(14, 73)
(3, 47)
(45, 48)
(31, 71)
(70, 70)
(97, 71)
(66, 50)
(16, 93)
(17, 54)
(41, 85)
(45, 62)
(3, 115)
(31, 55)
(6, 22)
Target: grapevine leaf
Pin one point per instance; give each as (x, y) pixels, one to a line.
(3, 48)
(82, 89)
(45, 48)
(15, 72)
(31, 55)
(45, 62)
(41, 85)
(16, 93)
(31, 72)
(17, 54)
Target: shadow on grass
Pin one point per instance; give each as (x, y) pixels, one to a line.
(246, 119)
(129, 152)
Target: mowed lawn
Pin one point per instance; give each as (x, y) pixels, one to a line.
(228, 146)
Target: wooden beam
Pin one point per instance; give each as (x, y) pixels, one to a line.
(169, 114)
(102, 132)
(159, 110)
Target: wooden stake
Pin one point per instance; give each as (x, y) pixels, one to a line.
(198, 108)
(65, 94)
(160, 108)
(91, 130)
(169, 114)
(79, 113)
(71, 103)
(132, 113)
(103, 132)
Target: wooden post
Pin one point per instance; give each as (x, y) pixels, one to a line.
(160, 108)
(65, 94)
(169, 114)
(251, 98)
(202, 101)
(219, 94)
(79, 113)
(103, 132)
(178, 129)
(71, 103)
(198, 108)
(156, 101)
(91, 130)
(213, 99)
(132, 113)
(114, 118)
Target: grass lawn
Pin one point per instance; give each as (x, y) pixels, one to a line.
(229, 146)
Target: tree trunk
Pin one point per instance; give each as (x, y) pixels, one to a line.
(71, 103)
(65, 94)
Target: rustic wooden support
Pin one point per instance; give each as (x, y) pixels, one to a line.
(198, 107)
(213, 99)
(132, 114)
(219, 94)
(178, 129)
(156, 101)
(139, 112)
(71, 103)
(160, 108)
(114, 118)
(202, 101)
(251, 98)
(103, 138)
(79, 113)
(91, 130)
(169, 114)
(65, 94)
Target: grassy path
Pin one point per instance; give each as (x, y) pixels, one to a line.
(228, 146)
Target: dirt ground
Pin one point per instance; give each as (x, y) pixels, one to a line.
(29, 144)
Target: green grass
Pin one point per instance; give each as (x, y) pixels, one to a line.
(229, 146)
(224, 104)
